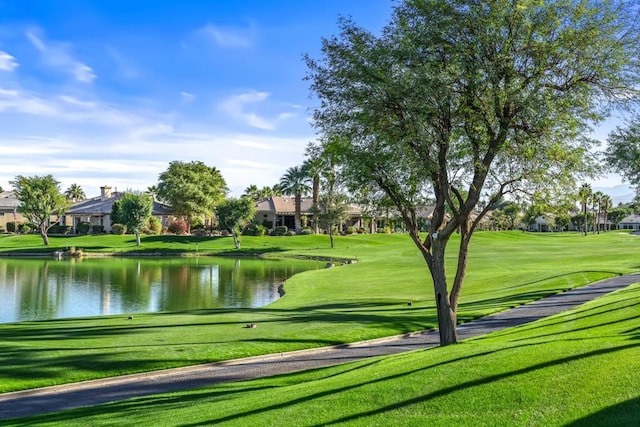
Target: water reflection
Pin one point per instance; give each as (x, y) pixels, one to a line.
(37, 289)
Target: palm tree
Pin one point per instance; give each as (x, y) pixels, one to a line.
(595, 208)
(607, 203)
(295, 182)
(314, 168)
(75, 193)
(152, 191)
(584, 194)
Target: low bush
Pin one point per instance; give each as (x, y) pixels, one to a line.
(178, 227)
(154, 226)
(97, 229)
(83, 228)
(280, 230)
(253, 229)
(306, 231)
(350, 230)
(11, 227)
(118, 229)
(290, 233)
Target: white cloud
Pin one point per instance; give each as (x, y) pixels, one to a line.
(236, 107)
(58, 55)
(187, 98)
(124, 66)
(227, 37)
(7, 62)
(249, 164)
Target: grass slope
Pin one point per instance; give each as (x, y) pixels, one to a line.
(350, 303)
(578, 368)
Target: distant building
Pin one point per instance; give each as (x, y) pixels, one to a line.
(9, 210)
(277, 211)
(97, 211)
(631, 222)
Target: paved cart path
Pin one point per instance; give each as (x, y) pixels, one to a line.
(89, 393)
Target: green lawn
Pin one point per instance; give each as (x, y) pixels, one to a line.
(350, 303)
(577, 368)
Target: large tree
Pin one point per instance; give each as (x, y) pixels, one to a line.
(623, 151)
(40, 199)
(233, 214)
(295, 182)
(461, 100)
(134, 211)
(192, 189)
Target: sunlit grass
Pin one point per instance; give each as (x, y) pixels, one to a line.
(329, 306)
(581, 367)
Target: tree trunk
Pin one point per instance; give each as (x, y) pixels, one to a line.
(331, 236)
(236, 241)
(316, 195)
(137, 238)
(43, 234)
(447, 317)
(298, 213)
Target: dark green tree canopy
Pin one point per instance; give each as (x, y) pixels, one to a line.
(459, 100)
(134, 211)
(623, 151)
(192, 189)
(233, 214)
(40, 198)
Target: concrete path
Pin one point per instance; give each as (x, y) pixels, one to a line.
(89, 393)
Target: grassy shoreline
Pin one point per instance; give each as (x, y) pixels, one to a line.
(324, 307)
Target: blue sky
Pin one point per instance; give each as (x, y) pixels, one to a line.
(99, 92)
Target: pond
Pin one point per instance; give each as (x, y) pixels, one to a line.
(41, 289)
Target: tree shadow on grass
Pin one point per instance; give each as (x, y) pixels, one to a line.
(625, 413)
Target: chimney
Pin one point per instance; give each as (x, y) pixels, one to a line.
(105, 192)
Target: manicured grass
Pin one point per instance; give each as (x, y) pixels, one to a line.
(350, 303)
(581, 367)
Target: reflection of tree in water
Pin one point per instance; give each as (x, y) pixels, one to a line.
(44, 289)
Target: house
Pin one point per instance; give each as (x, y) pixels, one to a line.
(631, 222)
(276, 211)
(97, 211)
(9, 210)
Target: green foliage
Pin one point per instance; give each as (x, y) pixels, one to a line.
(154, 226)
(233, 214)
(177, 227)
(83, 227)
(295, 182)
(306, 231)
(350, 230)
(97, 229)
(623, 151)
(60, 229)
(135, 210)
(115, 216)
(280, 230)
(119, 229)
(40, 199)
(253, 229)
(456, 99)
(11, 227)
(191, 189)
(75, 193)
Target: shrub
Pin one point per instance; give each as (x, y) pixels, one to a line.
(361, 230)
(118, 229)
(280, 230)
(154, 226)
(290, 233)
(97, 229)
(24, 228)
(178, 227)
(267, 224)
(11, 227)
(83, 228)
(253, 229)
(306, 231)
(59, 229)
(196, 223)
(350, 230)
